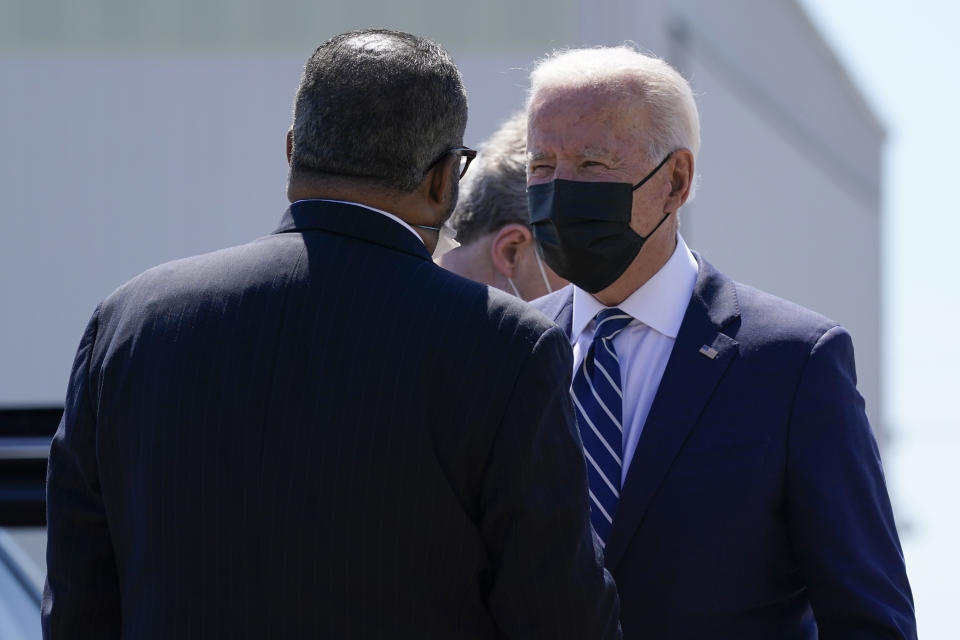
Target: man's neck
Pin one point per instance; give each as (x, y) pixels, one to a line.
(471, 261)
(346, 190)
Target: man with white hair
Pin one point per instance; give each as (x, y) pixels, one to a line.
(492, 221)
(735, 483)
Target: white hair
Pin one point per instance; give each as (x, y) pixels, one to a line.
(665, 94)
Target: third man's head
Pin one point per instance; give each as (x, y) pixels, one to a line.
(492, 221)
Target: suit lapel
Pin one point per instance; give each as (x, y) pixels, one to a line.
(687, 385)
(558, 306)
(564, 313)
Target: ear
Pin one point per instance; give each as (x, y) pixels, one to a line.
(289, 145)
(437, 185)
(681, 179)
(506, 247)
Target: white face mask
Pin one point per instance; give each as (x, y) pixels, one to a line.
(543, 274)
(446, 239)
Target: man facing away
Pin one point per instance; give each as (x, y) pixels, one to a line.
(492, 222)
(276, 440)
(734, 478)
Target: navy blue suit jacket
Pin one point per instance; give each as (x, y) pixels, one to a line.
(320, 434)
(755, 505)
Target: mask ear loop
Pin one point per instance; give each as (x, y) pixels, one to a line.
(515, 292)
(640, 184)
(652, 173)
(543, 273)
(662, 220)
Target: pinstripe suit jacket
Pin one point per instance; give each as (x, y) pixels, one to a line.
(320, 434)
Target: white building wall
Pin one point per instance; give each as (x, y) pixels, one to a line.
(135, 133)
(790, 191)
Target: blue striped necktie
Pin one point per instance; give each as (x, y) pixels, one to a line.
(598, 397)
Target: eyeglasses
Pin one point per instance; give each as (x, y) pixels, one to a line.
(465, 156)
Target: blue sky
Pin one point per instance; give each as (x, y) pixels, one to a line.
(905, 56)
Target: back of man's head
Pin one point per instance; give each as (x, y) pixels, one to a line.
(377, 105)
(494, 193)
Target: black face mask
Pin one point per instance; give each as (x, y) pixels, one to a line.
(583, 228)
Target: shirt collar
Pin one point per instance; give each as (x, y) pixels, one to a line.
(380, 211)
(660, 303)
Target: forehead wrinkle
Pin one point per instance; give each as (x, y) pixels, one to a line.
(551, 132)
(586, 152)
(599, 152)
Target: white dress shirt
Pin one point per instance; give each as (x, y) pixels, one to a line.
(380, 211)
(644, 347)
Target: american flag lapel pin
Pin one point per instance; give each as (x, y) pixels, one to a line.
(709, 351)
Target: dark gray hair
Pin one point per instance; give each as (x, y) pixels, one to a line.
(494, 191)
(377, 104)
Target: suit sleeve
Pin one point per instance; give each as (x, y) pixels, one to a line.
(549, 580)
(838, 509)
(81, 596)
